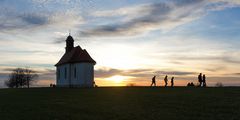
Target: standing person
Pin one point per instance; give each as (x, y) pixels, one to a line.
(153, 81)
(204, 80)
(200, 79)
(94, 84)
(172, 81)
(166, 80)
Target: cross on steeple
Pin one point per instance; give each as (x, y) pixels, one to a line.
(69, 32)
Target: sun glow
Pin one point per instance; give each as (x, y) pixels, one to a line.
(121, 56)
(117, 78)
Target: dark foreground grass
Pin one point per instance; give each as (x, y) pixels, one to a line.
(120, 104)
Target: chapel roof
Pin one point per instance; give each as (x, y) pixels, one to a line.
(76, 55)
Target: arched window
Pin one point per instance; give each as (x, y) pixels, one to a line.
(75, 72)
(58, 73)
(65, 75)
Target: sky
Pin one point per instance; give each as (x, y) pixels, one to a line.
(131, 40)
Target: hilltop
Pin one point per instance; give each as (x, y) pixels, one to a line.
(120, 103)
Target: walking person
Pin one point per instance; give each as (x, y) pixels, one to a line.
(200, 79)
(172, 81)
(204, 80)
(153, 81)
(166, 80)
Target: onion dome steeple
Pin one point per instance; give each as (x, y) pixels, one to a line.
(69, 43)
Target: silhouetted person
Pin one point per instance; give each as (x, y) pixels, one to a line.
(172, 81)
(153, 81)
(204, 80)
(94, 84)
(200, 79)
(166, 80)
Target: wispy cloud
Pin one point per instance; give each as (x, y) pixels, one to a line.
(139, 19)
(225, 58)
(153, 16)
(133, 20)
(103, 73)
(16, 20)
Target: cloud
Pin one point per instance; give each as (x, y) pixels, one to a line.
(34, 19)
(232, 60)
(16, 20)
(142, 73)
(133, 20)
(101, 73)
(143, 18)
(216, 69)
(224, 58)
(47, 74)
(45, 2)
(12, 20)
(179, 73)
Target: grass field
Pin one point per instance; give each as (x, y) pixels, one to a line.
(137, 103)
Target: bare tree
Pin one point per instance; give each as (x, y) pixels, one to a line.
(30, 76)
(21, 77)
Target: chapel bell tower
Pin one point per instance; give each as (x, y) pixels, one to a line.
(69, 43)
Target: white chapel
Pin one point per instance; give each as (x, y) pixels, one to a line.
(75, 68)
